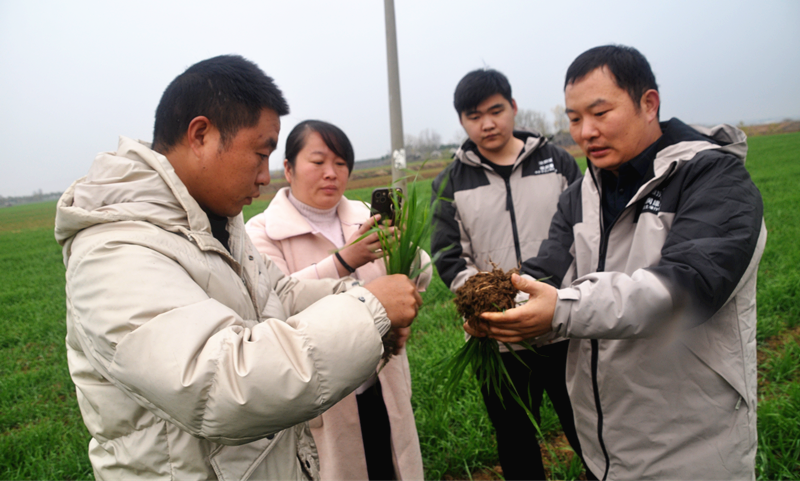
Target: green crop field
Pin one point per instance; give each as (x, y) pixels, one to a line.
(42, 435)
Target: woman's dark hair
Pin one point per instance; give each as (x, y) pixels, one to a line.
(334, 138)
(630, 69)
(230, 90)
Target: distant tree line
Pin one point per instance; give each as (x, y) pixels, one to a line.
(37, 196)
(558, 130)
(422, 146)
(428, 144)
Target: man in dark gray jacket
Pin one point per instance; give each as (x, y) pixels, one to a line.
(500, 194)
(653, 259)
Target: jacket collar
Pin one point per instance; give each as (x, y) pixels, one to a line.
(468, 152)
(680, 143)
(283, 220)
(136, 183)
(196, 218)
(199, 227)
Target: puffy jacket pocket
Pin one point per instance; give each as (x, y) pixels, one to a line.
(239, 462)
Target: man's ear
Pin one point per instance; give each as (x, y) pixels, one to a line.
(651, 100)
(197, 135)
(514, 106)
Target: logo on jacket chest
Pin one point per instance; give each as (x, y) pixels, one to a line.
(546, 166)
(652, 203)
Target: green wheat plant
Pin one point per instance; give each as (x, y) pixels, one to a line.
(402, 243)
(412, 229)
(481, 357)
(413, 225)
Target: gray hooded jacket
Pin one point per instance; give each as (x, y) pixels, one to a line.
(661, 310)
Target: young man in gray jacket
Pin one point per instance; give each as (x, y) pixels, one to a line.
(192, 356)
(653, 261)
(501, 192)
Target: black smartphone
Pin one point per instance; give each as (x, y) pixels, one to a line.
(383, 203)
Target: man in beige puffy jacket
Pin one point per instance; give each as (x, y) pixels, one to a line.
(192, 356)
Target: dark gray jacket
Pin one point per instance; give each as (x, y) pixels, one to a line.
(662, 312)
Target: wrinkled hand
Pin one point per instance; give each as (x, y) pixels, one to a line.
(399, 297)
(356, 254)
(532, 319)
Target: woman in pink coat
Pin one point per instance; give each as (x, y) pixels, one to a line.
(309, 230)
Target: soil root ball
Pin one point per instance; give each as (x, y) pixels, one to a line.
(486, 292)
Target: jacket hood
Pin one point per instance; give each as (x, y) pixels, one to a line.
(681, 142)
(467, 153)
(133, 183)
(729, 138)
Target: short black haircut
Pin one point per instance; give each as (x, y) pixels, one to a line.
(479, 85)
(333, 136)
(630, 69)
(230, 90)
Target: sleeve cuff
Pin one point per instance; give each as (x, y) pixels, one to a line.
(382, 322)
(566, 297)
(461, 278)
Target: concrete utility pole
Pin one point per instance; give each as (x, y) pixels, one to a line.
(395, 109)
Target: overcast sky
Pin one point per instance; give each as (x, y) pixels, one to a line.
(76, 75)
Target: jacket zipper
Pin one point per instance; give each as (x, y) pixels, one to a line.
(509, 199)
(599, 409)
(601, 264)
(510, 209)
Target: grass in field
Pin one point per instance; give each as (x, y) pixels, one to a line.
(42, 435)
(27, 216)
(456, 437)
(774, 164)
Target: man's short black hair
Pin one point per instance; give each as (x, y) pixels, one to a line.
(333, 136)
(230, 90)
(478, 86)
(630, 68)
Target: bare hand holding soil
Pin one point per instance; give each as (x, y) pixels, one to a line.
(532, 319)
(485, 291)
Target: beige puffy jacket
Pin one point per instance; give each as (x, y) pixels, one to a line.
(190, 361)
(282, 233)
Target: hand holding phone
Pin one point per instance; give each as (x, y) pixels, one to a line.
(384, 201)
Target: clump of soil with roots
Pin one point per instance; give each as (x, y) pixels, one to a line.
(486, 292)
